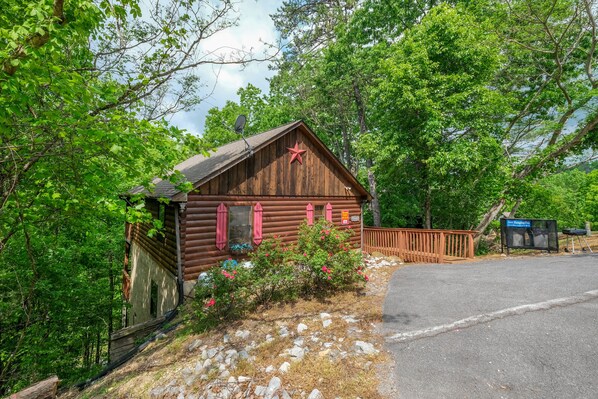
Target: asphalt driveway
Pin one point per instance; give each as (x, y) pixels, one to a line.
(509, 328)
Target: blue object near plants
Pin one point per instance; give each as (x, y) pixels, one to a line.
(241, 248)
(229, 264)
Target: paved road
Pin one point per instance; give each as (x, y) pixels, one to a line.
(510, 328)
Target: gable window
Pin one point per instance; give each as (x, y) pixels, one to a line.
(154, 299)
(239, 225)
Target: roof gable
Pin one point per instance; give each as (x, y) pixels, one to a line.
(199, 169)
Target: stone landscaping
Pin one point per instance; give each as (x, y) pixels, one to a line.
(295, 351)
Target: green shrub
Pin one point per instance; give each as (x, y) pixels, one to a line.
(326, 259)
(223, 293)
(322, 261)
(273, 272)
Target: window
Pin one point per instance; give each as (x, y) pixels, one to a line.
(239, 225)
(154, 299)
(319, 212)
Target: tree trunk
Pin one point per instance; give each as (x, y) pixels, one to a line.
(369, 163)
(347, 151)
(515, 208)
(428, 209)
(45, 389)
(489, 216)
(375, 204)
(111, 303)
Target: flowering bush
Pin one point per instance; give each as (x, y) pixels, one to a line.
(326, 258)
(222, 294)
(320, 262)
(273, 273)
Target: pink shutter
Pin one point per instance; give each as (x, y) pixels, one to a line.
(329, 212)
(257, 224)
(310, 214)
(221, 222)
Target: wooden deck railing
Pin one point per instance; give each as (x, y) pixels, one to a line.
(419, 245)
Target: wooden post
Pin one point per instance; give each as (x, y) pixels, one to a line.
(441, 248)
(471, 248)
(45, 389)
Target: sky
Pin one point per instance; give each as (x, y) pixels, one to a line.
(255, 25)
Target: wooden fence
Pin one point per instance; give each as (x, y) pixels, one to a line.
(419, 245)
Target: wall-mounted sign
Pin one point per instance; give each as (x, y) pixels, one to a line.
(344, 217)
(355, 218)
(519, 223)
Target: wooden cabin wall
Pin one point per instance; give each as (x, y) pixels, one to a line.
(269, 172)
(162, 250)
(281, 216)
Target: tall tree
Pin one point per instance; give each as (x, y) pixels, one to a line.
(550, 77)
(84, 87)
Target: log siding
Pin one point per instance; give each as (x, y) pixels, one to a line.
(281, 216)
(162, 250)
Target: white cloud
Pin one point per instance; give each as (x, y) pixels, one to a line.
(255, 27)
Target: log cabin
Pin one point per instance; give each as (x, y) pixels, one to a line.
(242, 193)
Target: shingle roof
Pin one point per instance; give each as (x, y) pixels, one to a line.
(199, 169)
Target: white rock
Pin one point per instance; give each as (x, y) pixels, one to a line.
(269, 338)
(315, 394)
(226, 339)
(243, 355)
(298, 342)
(269, 369)
(243, 379)
(350, 319)
(222, 367)
(328, 344)
(224, 375)
(242, 334)
(212, 352)
(285, 367)
(232, 380)
(326, 323)
(325, 316)
(301, 327)
(283, 332)
(285, 395)
(260, 390)
(296, 353)
(273, 387)
(194, 345)
(365, 348)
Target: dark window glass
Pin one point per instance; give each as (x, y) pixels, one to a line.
(319, 212)
(154, 299)
(239, 225)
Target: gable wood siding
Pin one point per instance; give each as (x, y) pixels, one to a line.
(268, 172)
(164, 253)
(281, 216)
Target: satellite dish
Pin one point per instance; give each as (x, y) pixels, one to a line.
(239, 127)
(240, 124)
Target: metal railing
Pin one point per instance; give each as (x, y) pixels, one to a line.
(419, 245)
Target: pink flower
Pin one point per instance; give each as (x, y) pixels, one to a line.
(324, 269)
(304, 253)
(329, 278)
(366, 278)
(322, 237)
(230, 258)
(211, 302)
(266, 255)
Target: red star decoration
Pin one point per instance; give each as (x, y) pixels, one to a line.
(296, 153)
